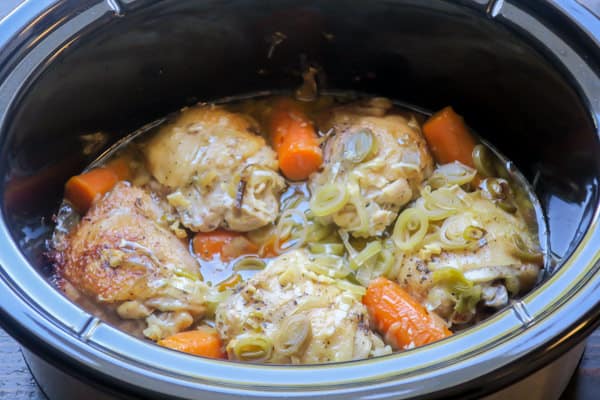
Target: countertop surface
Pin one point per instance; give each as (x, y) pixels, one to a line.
(16, 383)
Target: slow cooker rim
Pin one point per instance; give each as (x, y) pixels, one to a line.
(576, 330)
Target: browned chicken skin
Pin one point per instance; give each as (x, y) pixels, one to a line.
(122, 253)
(105, 255)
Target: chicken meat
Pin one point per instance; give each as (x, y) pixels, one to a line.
(123, 254)
(288, 313)
(495, 253)
(378, 157)
(217, 170)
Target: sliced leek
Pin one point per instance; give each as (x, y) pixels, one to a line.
(249, 263)
(337, 249)
(293, 334)
(453, 173)
(524, 252)
(328, 199)
(356, 290)
(371, 250)
(329, 265)
(410, 229)
(251, 347)
(484, 160)
(465, 293)
(359, 145)
(293, 229)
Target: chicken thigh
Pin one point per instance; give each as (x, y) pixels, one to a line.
(217, 170)
(123, 254)
(378, 158)
(474, 252)
(288, 313)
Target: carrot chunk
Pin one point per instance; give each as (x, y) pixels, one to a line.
(403, 321)
(294, 139)
(227, 244)
(449, 138)
(202, 342)
(120, 166)
(81, 190)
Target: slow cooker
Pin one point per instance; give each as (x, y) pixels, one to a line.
(526, 74)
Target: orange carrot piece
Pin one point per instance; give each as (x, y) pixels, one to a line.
(294, 139)
(120, 166)
(403, 321)
(227, 244)
(201, 342)
(83, 189)
(449, 138)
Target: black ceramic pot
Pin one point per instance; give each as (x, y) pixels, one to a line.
(525, 74)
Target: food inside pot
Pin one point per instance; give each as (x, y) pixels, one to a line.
(283, 231)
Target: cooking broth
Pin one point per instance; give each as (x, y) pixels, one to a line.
(460, 242)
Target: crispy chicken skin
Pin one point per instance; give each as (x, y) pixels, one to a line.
(286, 298)
(384, 181)
(122, 254)
(218, 171)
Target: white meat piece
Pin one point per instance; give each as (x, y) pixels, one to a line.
(219, 172)
(487, 265)
(339, 322)
(385, 181)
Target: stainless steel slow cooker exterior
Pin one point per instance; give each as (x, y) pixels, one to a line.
(525, 72)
